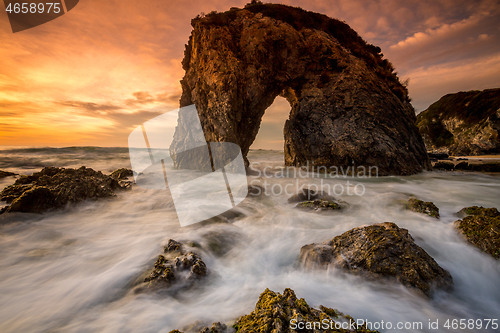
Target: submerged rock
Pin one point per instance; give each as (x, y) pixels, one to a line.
(424, 207)
(53, 188)
(309, 195)
(380, 250)
(347, 104)
(277, 313)
(4, 174)
(322, 205)
(174, 268)
(481, 227)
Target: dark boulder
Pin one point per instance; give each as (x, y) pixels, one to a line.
(55, 187)
(380, 250)
(481, 227)
(310, 200)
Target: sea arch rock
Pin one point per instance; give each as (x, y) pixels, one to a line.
(347, 105)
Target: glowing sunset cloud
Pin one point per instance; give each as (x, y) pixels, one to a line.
(89, 77)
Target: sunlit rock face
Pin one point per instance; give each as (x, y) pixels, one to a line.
(347, 105)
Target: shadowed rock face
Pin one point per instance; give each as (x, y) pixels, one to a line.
(347, 106)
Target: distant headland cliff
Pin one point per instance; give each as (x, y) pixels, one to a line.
(465, 123)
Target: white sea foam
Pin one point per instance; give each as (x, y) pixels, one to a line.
(73, 270)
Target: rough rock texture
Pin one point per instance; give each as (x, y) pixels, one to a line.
(174, 268)
(310, 200)
(465, 123)
(4, 174)
(380, 250)
(274, 312)
(55, 187)
(481, 227)
(121, 174)
(347, 104)
(424, 207)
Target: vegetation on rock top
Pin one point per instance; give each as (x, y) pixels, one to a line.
(301, 19)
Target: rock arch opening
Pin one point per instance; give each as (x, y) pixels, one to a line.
(270, 135)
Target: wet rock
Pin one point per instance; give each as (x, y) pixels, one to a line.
(277, 313)
(4, 174)
(444, 166)
(220, 242)
(175, 268)
(481, 227)
(347, 104)
(121, 174)
(311, 200)
(322, 205)
(274, 313)
(55, 187)
(424, 207)
(380, 250)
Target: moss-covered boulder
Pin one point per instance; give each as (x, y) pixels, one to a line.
(55, 187)
(322, 205)
(481, 227)
(277, 313)
(420, 206)
(174, 268)
(4, 174)
(121, 174)
(380, 250)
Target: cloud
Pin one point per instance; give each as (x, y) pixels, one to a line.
(110, 65)
(89, 106)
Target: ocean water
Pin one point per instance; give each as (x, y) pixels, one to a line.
(74, 270)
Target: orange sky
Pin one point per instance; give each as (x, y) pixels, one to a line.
(92, 75)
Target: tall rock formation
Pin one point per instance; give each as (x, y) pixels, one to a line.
(465, 123)
(347, 104)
